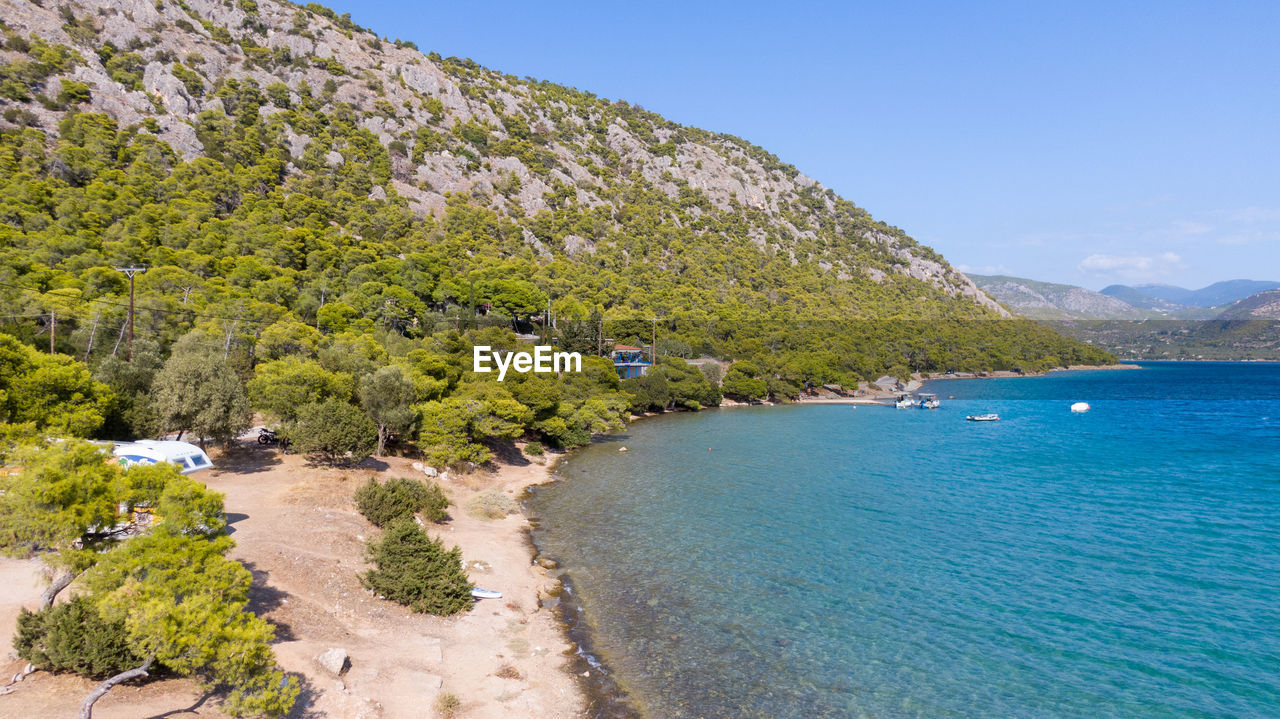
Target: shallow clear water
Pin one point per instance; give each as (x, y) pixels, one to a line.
(833, 561)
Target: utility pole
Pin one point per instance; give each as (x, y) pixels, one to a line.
(130, 272)
(53, 328)
(653, 348)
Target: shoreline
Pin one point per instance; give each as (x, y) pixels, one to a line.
(600, 695)
(296, 527)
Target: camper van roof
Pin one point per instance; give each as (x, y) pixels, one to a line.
(145, 451)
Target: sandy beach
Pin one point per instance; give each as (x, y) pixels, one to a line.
(296, 527)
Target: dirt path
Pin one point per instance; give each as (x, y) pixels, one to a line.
(296, 529)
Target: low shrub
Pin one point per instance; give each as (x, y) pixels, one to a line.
(400, 498)
(448, 705)
(417, 571)
(73, 637)
(534, 449)
(491, 504)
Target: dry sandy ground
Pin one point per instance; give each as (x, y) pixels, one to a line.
(296, 528)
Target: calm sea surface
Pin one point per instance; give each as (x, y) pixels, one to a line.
(832, 561)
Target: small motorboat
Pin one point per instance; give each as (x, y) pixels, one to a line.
(929, 401)
(1080, 407)
(479, 593)
(905, 401)
(983, 418)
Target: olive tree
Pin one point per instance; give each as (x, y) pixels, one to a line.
(197, 392)
(387, 397)
(337, 431)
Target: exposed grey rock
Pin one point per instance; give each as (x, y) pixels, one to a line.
(377, 194)
(532, 240)
(298, 45)
(335, 661)
(334, 158)
(297, 143)
(181, 137)
(575, 245)
(157, 80)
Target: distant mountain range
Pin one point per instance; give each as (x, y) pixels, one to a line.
(1235, 319)
(1052, 301)
(1170, 298)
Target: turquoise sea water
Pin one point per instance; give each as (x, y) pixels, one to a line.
(832, 561)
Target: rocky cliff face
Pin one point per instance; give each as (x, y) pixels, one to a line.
(455, 129)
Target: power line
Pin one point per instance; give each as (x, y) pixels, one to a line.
(120, 328)
(125, 305)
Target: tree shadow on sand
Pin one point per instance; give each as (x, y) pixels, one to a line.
(265, 599)
(304, 708)
(508, 453)
(232, 518)
(244, 458)
(186, 710)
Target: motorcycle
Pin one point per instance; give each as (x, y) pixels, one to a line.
(269, 437)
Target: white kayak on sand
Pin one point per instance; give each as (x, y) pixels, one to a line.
(479, 593)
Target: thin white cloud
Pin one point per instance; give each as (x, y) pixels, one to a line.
(1132, 267)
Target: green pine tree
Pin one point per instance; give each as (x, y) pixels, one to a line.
(417, 571)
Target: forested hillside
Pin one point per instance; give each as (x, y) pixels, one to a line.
(327, 216)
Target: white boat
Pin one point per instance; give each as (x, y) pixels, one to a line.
(479, 593)
(983, 418)
(929, 401)
(905, 401)
(1080, 407)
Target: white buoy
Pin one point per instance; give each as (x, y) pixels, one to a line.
(1080, 407)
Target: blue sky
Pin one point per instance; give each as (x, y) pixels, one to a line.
(1087, 143)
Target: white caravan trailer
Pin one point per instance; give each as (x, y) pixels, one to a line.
(188, 457)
